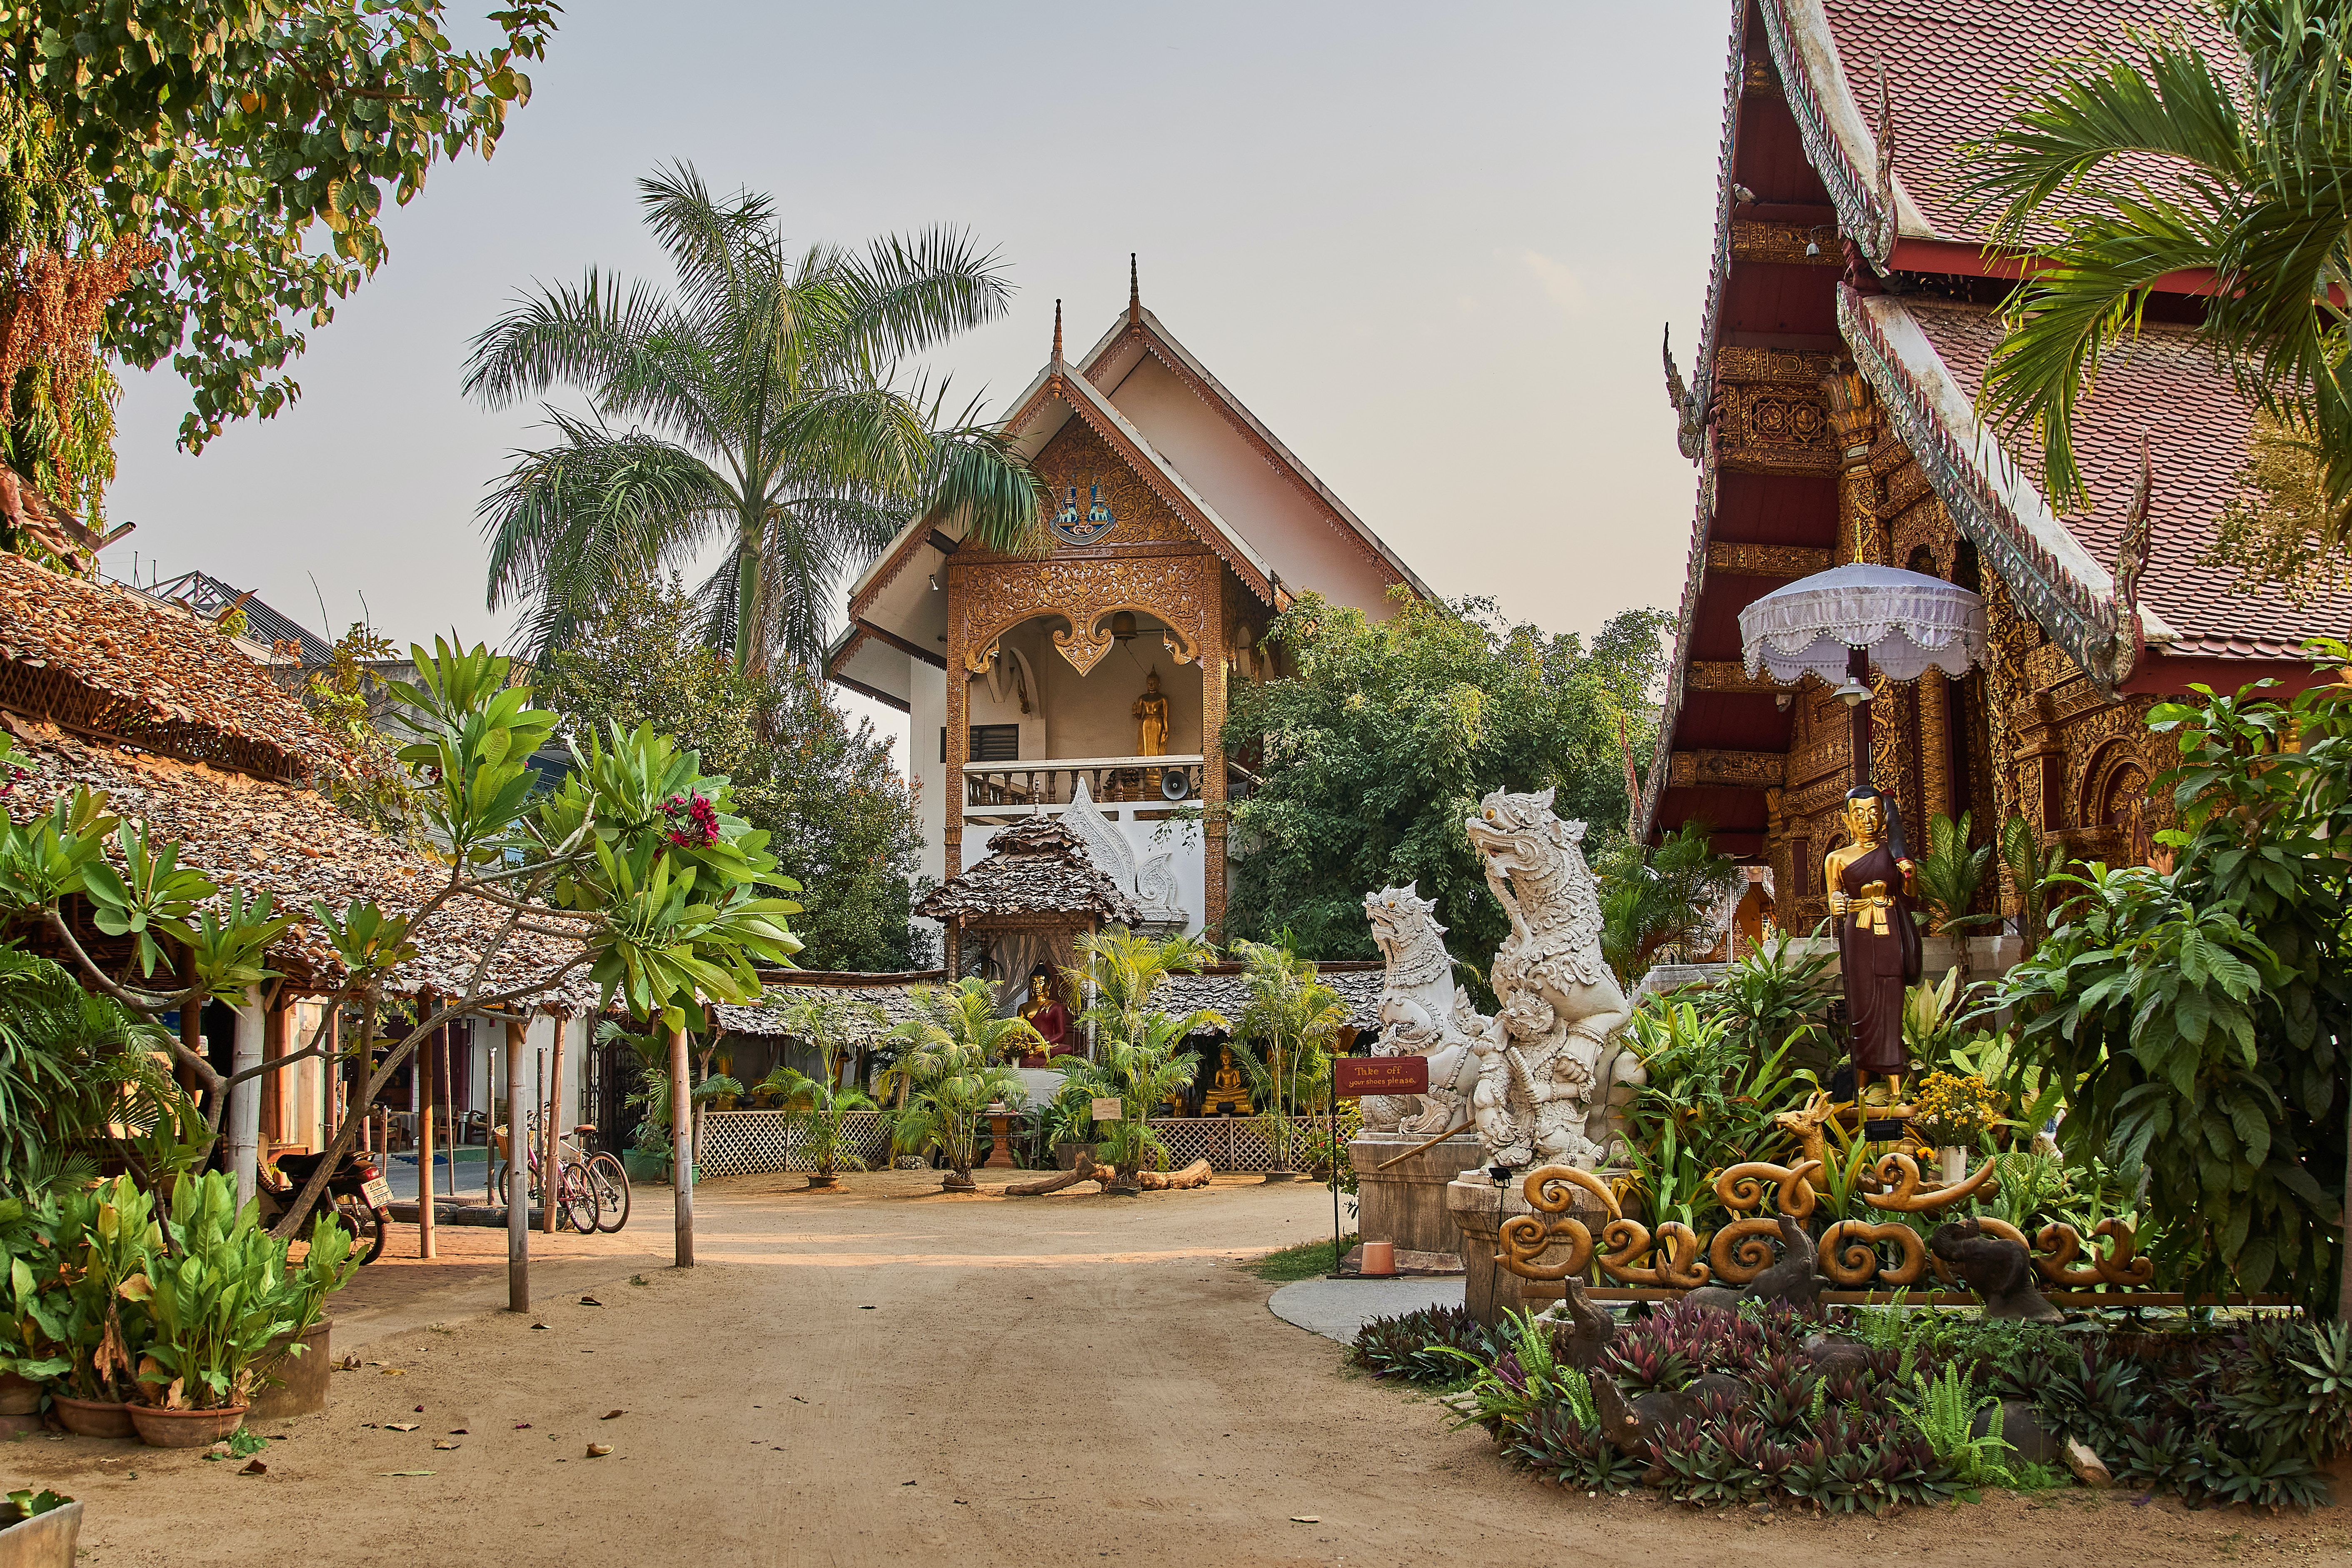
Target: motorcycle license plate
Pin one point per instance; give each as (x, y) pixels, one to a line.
(378, 1191)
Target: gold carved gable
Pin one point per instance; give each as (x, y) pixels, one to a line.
(1078, 459)
(994, 596)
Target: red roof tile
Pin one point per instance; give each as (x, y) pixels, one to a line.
(2166, 386)
(1951, 65)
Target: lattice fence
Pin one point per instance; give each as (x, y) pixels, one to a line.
(1227, 1143)
(745, 1142)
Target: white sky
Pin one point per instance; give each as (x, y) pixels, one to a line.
(1431, 247)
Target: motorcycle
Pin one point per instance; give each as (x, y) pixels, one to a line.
(357, 1195)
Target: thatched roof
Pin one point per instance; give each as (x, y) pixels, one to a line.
(110, 663)
(1034, 868)
(1221, 990)
(295, 846)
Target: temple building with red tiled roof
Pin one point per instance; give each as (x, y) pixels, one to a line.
(1832, 412)
(1093, 676)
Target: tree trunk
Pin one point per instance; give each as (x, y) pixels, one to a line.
(747, 605)
(2344, 1226)
(681, 1134)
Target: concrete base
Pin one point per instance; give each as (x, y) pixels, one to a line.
(1406, 1203)
(1479, 1209)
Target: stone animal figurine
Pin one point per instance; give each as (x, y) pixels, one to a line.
(1797, 1279)
(1553, 1081)
(1583, 1327)
(1998, 1270)
(1422, 1014)
(1636, 1423)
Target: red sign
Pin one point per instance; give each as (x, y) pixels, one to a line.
(1358, 1075)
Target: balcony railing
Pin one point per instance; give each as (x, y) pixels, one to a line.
(1031, 788)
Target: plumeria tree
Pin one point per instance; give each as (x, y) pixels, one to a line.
(634, 866)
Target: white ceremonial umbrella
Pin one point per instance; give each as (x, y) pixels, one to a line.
(1906, 623)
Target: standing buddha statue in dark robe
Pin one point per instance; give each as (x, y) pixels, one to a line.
(1869, 882)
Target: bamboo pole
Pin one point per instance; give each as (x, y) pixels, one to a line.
(554, 1117)
(518, 1187)
(424, 1080)
(681, 1137)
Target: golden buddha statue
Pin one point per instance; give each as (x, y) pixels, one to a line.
(1043, 1012)
(1228, 1090)
(1150, 712)
(1869, 882)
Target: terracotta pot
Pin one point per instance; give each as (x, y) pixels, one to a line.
(302, 1385)
(95, 1417)
(45, 1541)
(18, 1395)
(1379, 1257)
(184, 1428)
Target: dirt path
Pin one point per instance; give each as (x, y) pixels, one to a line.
(890, 1376)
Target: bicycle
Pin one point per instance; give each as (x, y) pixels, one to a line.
(591, 1190)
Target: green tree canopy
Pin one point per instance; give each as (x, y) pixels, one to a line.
(841, 822)
(1369, 758)
(251, 144)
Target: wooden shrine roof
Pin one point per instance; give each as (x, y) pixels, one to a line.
(1033, 868)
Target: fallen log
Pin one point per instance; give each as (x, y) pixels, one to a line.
(1195, 1174)
(1084, 1171)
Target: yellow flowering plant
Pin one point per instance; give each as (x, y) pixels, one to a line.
(1954, 1109)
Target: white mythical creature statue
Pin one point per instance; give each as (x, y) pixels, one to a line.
(1552, 1080)
(1422, 1014)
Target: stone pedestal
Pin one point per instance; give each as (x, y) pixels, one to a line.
(1406, 1203)
(1479, 1209)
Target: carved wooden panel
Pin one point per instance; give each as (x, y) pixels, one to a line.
(1766, 560)
(1791, 367)
(997, 595)
(1786, 243)
(1725, 675)
(1077, 457)
(1775, 429)
(1710, 769)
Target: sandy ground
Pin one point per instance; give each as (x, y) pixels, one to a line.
(891, 1377)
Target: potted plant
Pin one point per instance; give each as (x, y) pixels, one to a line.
(815, 1108)
(114, 1239)
(949, 1069)
(221, 1294)
(38, 1529)
(1950, 1113)
(33, 1311)
(1070, 1124)
(1296, 1020)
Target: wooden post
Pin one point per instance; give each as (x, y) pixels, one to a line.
(330, 1077)
(681, 1136)
(424, 1080)
(554, 1116)
(447, 1096)
(517, 1186)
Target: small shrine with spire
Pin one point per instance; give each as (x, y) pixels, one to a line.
(1089, 681)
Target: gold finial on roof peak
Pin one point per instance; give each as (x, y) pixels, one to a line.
(1134, 294)
(1057, 332)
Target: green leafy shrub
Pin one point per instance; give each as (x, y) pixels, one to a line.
(1414, 1346)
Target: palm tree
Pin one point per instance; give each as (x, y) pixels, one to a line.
(1140, 1068)
(760, 404)
(1296, 1019)
(951, 1069)
(816, 1107)
(1124, 969)
(2252, 162)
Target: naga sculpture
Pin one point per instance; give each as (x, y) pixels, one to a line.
(1422, 1014)
(1552, 1078)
